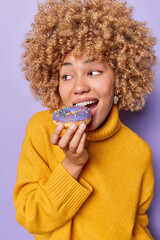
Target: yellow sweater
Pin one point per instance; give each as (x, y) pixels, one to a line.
(110, 198)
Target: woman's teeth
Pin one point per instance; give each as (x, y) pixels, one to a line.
(85, 103)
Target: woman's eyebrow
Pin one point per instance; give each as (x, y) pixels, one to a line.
(85, 62)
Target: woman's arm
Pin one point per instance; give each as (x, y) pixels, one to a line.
(44, 199)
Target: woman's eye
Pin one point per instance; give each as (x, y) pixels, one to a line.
(95, 73)
(66, 77)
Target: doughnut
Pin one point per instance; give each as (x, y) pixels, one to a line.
(70, 115)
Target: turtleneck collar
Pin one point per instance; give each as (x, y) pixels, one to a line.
(108, 129)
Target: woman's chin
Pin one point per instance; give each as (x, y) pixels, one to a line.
(91, 126)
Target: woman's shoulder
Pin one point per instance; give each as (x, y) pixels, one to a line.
(40, 122)
(136, 150)
(41, 118)
(133, 141)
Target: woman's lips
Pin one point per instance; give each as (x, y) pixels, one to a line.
(83, 100)
(86, 102)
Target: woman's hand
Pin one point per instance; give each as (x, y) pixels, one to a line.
(72, 144)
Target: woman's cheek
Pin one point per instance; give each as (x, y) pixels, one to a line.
(64, 92)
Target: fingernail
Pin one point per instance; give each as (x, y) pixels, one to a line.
(73, 126)
(82, 126)
(60, 126)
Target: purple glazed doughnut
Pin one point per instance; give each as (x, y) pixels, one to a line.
(72, 114)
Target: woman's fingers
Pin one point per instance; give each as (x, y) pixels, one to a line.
(81, 145)
(74, 143)
(56, 134)
(65, 140)
(72, 140)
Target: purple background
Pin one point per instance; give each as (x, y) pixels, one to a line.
(17, 106)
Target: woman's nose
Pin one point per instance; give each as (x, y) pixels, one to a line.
(81, 86)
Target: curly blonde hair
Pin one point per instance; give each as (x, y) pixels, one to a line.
(103, 28)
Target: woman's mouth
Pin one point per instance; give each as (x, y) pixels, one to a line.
(92, 105)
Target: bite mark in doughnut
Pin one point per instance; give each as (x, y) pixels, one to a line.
(72, 114)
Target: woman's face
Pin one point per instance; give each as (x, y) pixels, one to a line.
(89, 83)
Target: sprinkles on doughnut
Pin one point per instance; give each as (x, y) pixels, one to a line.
(72, 114)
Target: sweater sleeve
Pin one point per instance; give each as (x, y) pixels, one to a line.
(141, 231)
(45, 200)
